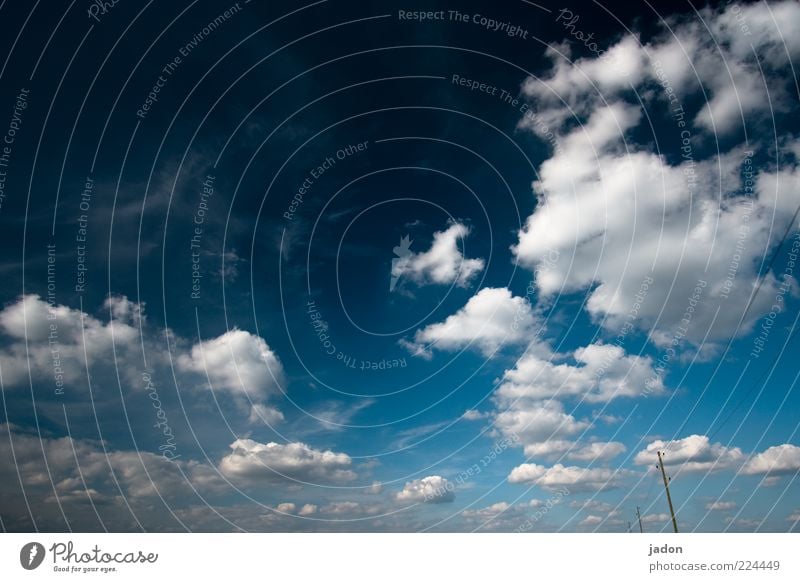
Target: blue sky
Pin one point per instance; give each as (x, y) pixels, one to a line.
(283, 267)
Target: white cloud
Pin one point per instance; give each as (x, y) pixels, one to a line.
(693, 453)
(614, 213)
(491, 318)
(286, 507)
(62, 341)
(350, 509)
(591, 520)
(778, 460)
(574, 478)
(592, 505)
(443, 263)
(375, 489)
(433, 489)
(538, 424)
(253, 461)
(342, 507)
(416, 350)
(548, 449)
(596, 452)
(721, 505)
(262, 414)
(656, 518)
(768, 30)
(308, 509)
(528, 411)
(70, 462)
(739, 89)
(619, 221)
(603, 372)
(696, 453)
(332, 416)
(779, 189)
(743, 524)
(123, 309)
(574, 451)
(504, 516)
(473, 414)
(725, 62)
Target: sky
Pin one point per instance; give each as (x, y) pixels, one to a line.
(277, 266)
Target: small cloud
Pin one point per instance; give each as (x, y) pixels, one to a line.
(473, 414)
(591, 520)
(375, 489)
(308, 509)
(693, 453)
(442, 264)
(433, 489)
(286, 507)
(574, 478)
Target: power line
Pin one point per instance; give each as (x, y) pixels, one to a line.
(752, 388)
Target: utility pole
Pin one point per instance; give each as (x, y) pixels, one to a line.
(669, 497)
(629, 527)
(639, 516)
